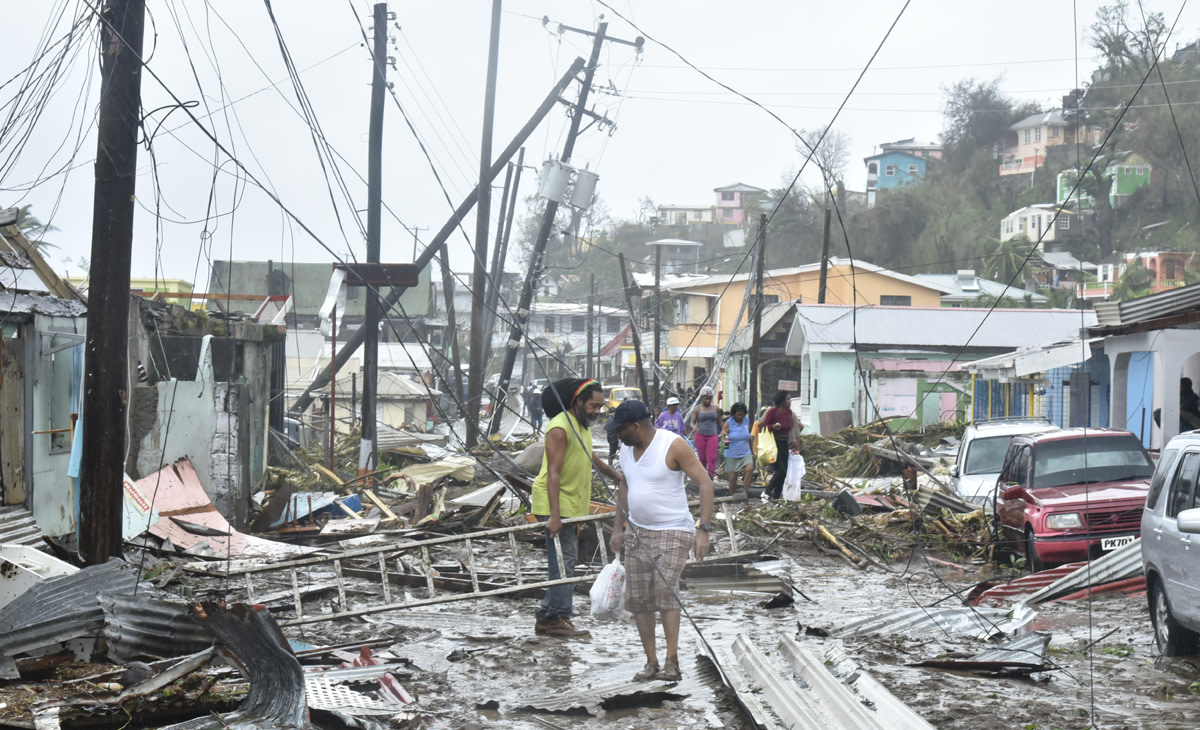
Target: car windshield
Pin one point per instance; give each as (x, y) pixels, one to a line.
(623, 393)
(986, 455)
(1090, 460)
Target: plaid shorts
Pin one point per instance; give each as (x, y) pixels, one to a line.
(645, 590)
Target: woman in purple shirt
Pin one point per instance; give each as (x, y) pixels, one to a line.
(671, 419)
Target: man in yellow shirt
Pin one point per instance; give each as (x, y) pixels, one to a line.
(563, 489)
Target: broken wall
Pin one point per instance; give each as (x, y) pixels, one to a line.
(217, 419)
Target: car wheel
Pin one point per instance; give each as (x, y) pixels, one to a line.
(1032, 560)
(1171, 638)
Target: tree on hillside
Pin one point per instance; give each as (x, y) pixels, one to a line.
(832, 152)
(1127, 48)
(977, 116)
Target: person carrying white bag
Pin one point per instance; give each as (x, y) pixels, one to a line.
(608, 592)
(793, 484)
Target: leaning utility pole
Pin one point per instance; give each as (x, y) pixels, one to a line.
(756, 332)
(106, 376)
(821, 288)
(534, 273)
(479, 277)
(354, 341)
(633, 327)
(657, 315)
(588, 372)
(368, 456)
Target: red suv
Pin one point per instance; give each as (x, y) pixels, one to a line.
(1073, 494)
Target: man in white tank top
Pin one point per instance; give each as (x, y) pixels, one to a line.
(654, 504)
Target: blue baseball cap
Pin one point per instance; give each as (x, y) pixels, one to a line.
(630, 411)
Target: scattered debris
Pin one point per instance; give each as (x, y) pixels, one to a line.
(1019, 656)
(982, 622)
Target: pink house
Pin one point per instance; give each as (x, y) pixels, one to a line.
(730, 209)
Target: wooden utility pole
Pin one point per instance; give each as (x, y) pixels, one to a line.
(633, 326)
(355, 340)
(368, 458)
(512, 184)
(821, 288)
(534, 272)
(332, 392)
(479, 277)
(588, 372)
(106, 376)
(756, 332)
(450, 339)
(657, 401)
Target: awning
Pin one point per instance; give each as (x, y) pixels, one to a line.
(1032, 360)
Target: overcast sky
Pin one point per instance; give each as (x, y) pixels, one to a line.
(678, 135)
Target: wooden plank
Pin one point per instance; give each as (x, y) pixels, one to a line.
(19, 244)
(379, 503)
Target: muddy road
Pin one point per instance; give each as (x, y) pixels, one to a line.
(478, 663)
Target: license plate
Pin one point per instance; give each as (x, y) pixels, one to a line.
(1112, 543)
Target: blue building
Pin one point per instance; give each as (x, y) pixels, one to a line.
(898, 163)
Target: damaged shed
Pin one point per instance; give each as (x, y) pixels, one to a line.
(41, 370)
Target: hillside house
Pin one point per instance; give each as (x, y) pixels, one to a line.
(1023, 149)
(967, 289)
(1043, 223)
(1168, 268)
(1127, 178)
(731, 202)
(898, 163)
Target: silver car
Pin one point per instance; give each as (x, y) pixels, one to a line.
(981, 455)
(1169, 521)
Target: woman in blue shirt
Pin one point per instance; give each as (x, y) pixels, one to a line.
(739, 458)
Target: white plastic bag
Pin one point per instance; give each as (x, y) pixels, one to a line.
(793, 484)
(608, 592)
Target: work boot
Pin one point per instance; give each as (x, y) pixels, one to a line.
(541, 623)
(649, 672)
(562, 626)
(670, 671)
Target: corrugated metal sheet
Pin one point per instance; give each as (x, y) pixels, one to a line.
(1122, 563)
(871, 691)
(178, 492)
(1163, 304)
(18, 303)
(933, 501)
(64, 608)
(591, 698)
(17, 527)
(328, 693)
(981, 622)
(1021, 655)
(1003, 592)
(835, 327)
(138, 626)
(793, 688)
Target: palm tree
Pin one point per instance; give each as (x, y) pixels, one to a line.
(1005, 260)
(1136, 282)
(34, 229)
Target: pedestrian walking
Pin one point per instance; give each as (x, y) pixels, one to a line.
(654, 515)
(671, 419)
(785, 427)
(739, 458)
(563, 489)
(706, 422)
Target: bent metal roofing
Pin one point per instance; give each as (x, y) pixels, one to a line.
(837, 328)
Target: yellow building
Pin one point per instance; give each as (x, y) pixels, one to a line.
(157, 289)
(706, 310)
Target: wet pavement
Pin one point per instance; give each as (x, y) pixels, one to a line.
(477, 662)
